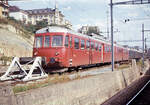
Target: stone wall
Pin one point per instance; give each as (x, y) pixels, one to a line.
(13, 43)
(7, 95)
(92, 90)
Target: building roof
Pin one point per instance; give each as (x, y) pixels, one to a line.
(42, 11)
(14, 9)
(4, 3)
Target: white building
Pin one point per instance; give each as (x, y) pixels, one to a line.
(89, 30)
(51, 16)
(18, 14)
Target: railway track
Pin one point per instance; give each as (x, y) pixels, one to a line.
(82, 71)
(142, 97)
(71, 74)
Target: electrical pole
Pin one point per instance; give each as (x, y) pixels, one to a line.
(132, 2)
(107, 24)
(112, 37)
(143, 45)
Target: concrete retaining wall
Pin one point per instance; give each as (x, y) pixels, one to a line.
(87, 91)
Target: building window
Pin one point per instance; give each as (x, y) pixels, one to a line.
(47, 41)
(67, 41)
(76, 43)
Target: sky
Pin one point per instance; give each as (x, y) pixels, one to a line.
(97, 12)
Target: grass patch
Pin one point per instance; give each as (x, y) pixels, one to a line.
(49, 81)
(123, 66)
(5, 59)
(140, 63)
(18, 25)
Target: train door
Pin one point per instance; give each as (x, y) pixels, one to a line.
(102, 52)
(90, 53)
(70, 50)
(67, 50)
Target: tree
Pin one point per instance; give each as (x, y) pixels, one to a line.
(41, 24)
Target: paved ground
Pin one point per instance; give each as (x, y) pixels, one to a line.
(93, 71)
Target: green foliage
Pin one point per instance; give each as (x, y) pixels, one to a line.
(46, 82)
(123, 66)
(33, 28)
(26, 30)
(140, 63)
(30, 28)
(19, 89)
(41, 24)
(3, 21)
(5, 59)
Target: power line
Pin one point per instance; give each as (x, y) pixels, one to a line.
(132, 2)
(131, 41)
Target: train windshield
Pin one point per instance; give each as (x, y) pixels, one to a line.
(38, 42)
(57, 40)
(47, 41)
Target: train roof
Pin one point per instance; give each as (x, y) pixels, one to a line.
(65, 30)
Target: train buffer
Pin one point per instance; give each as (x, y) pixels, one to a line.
(24, 69)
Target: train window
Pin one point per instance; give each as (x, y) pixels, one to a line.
(96, 46)
(67, 41)
(82, 44)
(71, 41)
(100, 47)
(47, 41)
(38, 41)
(110, 49)
(76, 43)
(92, 45)
(88, 44)
(105, 48)
(57, 40)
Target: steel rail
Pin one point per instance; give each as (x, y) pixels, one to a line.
(138, 93)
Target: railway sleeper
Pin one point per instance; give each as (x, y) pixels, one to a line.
(24, 71)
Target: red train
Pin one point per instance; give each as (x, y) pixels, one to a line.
(65, 48)
(62, 48)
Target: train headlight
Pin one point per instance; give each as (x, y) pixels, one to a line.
(35, 53)
(57, 53)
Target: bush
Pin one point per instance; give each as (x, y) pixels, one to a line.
(3, 21)
(5, 59)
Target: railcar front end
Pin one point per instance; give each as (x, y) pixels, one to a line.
(51, 47)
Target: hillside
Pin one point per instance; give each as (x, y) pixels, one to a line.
(14, 40)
